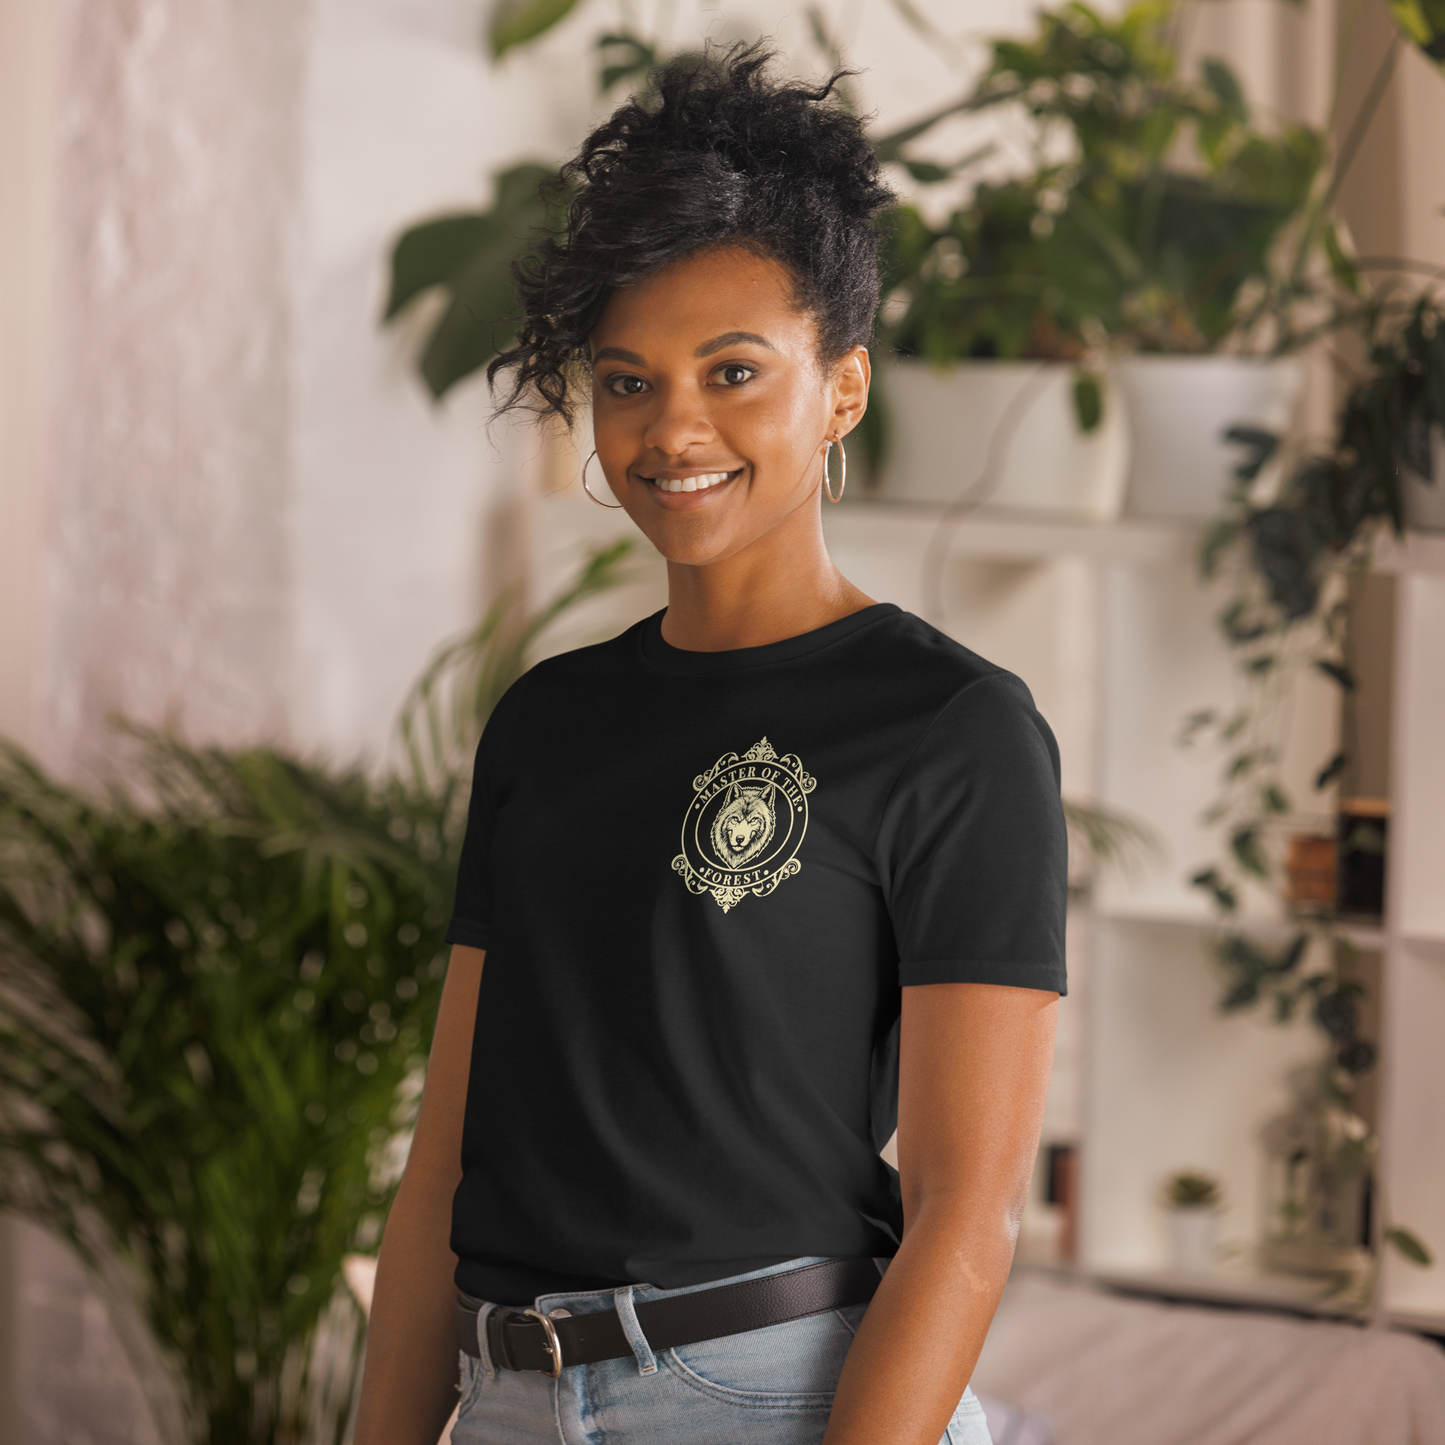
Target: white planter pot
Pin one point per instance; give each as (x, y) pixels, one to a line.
(1011, 419)
(1193, 1234)
(1425, 501)
(1179, 408)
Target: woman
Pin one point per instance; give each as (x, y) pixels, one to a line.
(770, 872)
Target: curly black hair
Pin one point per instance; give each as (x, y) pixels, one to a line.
(718, 155)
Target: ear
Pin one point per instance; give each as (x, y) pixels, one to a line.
(849, 389)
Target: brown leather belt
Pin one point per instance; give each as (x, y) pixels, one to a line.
(529, 1340)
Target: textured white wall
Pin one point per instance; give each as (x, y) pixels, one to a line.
(29, 84)
(177, 178)
(393, 499)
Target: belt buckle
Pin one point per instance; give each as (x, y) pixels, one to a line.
(553, 1345)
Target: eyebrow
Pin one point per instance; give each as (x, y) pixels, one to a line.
(728, 338)
(732, 338)
(616, 353)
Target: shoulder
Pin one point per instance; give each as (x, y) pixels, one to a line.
(949, 681)
(578, 667)
(544, 685)
(970, 710)
(905, 642)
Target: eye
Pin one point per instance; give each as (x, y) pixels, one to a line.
(735, 373)
(625, 384)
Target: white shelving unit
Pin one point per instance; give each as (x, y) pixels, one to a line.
(1110, 628)
(1108, 625)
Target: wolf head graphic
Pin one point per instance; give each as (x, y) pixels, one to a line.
(744, 825)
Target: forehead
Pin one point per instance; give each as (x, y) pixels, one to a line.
(690, 301)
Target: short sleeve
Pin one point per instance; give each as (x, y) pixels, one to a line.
(472, 912)
(972, 848)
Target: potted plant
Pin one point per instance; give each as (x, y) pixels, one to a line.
(1289, 552)
(1288, 557)
(1027, 290)
(992, 390)
(1152, 241)
(217, 990)
(1193, 1201)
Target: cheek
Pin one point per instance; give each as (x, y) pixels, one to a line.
(786, 431)
(609, 426)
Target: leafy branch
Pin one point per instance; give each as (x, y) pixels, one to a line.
(217, 989)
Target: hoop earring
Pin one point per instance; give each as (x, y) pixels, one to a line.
(842, 469)
(611, 506)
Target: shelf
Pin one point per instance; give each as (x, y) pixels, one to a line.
(1421, 1322)
(1247, 1289)
(1415, 552)
(1025, 533)
(1371, 937)
(1010, 533)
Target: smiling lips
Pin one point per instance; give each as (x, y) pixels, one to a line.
(699, 483)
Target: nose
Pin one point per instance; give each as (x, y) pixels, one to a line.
(679, 421)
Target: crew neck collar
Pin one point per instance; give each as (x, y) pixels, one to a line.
(662, 654)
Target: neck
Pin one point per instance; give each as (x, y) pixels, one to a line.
(779, 586)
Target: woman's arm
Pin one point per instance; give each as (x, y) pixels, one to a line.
(409, 1385)
(972, 1079)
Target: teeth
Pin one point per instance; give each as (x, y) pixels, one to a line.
(690, 484)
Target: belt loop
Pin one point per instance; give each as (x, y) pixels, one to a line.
(484, 1344)
(646, 1360)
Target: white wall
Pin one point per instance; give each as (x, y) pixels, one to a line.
(1421, 100)
(165, 573)
(29, 63)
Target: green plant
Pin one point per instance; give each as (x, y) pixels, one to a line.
(1151, 235)
(217, 989)
(1289, 554)
(983, 285)
(1102, 838)
(1188, 1190)
(1422, 21)
(216, 1005)
(443, 714)
(1116, 245)
(468, 257)
(1289, 557)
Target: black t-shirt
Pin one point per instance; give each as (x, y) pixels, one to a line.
(702, 879)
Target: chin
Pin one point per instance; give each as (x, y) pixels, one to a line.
(694, 546)
(693, 554)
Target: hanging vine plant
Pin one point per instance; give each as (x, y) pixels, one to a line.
(1290, 558)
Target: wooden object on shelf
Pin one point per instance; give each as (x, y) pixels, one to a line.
(1309, 867)
(1062, 1192)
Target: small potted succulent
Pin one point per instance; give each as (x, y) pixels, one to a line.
(1193, 1201)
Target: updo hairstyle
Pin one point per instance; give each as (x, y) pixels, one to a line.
(717, 155)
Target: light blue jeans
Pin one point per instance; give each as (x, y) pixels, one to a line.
(768, 1387)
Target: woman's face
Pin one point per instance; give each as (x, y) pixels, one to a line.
(710, 408)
